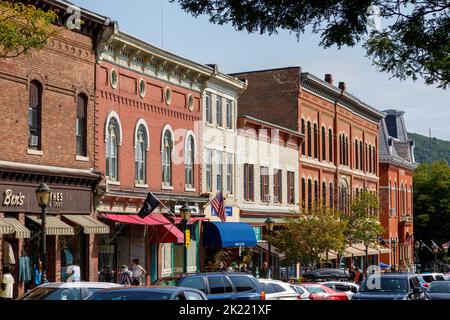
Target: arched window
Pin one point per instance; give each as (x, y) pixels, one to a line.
(370, 159)
(347, 162)
(167, 147)
(341, 148)
(81, 125)
(324, 193)
(141, 146)
(331, 194)
(303, 131)
(309, 138)
(189, 161)
(303, 192)
(112, 149)
(395, 198)
(309, 194)
(356, 155)
(35, 115)
(375, 169)
(344, 197)
(330, 145)
(366, 159)
(316, 140)
(361, 163)
(316, 191)
(324, 147)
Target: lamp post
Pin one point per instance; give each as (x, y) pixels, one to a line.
(394, 242)
(185, 212)
(366, 258)
(435, 250)
(417, 247)
(43, 198)
(269, 225)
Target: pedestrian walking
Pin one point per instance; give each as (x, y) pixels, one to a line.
(73, 273)
(7, 284)
(264, 271)
(137, 273)
(125, 276)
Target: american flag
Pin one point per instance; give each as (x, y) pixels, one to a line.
(218, 206)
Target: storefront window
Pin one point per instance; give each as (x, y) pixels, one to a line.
(72, 254)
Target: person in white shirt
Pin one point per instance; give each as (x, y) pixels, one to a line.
(137, 273)
(74, 273)
(7, 284)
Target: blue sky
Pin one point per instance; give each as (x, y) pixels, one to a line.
(197, 39)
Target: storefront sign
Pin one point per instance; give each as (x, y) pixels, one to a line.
(257, 233)
(22, 198)
(228, 212)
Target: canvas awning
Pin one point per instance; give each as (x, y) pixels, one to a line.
(229, 234)
(20, 230)
(54, 226)
(89, 224)
(163, 230)
(350, 251)
(362, 247)
(5, 227)
(382, 249)
(331, 256)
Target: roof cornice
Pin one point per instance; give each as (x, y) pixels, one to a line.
(327, 90)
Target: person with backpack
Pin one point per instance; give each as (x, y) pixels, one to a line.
(125, 277)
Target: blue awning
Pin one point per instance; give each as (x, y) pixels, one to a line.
(228, 234)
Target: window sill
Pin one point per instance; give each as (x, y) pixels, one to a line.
(140, 185)
(81, 158)
(230, 195)
(220, 127)
(189, 189)
(164, 187)
(35, 152)
(114, 183)
(209, 124)
(230, 129)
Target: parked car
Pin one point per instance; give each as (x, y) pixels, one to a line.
(349, 288)
(320, 292)
(430, 277)
(423, 283)
(304, 293)
(327, 274)
(224, 285)
(447, 276)
(391, 286)
(149, 293)
(66, 290)
(279, 290)
(439, 290)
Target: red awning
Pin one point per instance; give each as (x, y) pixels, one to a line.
(161, 230)
(177, 220)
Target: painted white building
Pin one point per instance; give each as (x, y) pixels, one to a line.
(219, 134)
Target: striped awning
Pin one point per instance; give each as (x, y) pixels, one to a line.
(54, 226)
(89, 224)
(5, 227)
(19, 229)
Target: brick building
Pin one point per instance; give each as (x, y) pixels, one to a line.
(397, 167)
(148, 138)
(339, 156)
(47, 135)
(267, 172)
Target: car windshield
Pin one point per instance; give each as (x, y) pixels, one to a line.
(46, 293)
(315, 289)
(384, 284)
(439, 287)
(130, 295)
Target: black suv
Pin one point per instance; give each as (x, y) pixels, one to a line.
(224, 285)
(391, 286)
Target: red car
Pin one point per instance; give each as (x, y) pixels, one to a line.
(320, 292)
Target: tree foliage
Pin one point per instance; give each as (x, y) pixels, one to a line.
(432, 202)
(23, 27)
(414, 40)
(307, 238)
(363, 223)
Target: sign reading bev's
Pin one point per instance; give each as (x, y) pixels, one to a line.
(19, 198)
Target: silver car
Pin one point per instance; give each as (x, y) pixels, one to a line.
(66, 290)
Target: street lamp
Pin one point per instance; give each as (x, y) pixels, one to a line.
(366, 233)
(269, 225)
(394, 242)
(43, 198)
(185, 212)
(417, 247)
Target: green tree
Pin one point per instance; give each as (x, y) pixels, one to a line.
(411, 40)
(307, 238)
(363, 223)
(432, 202)
(23, 27)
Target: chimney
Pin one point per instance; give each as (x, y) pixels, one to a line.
(329, 78)
(342, 86)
